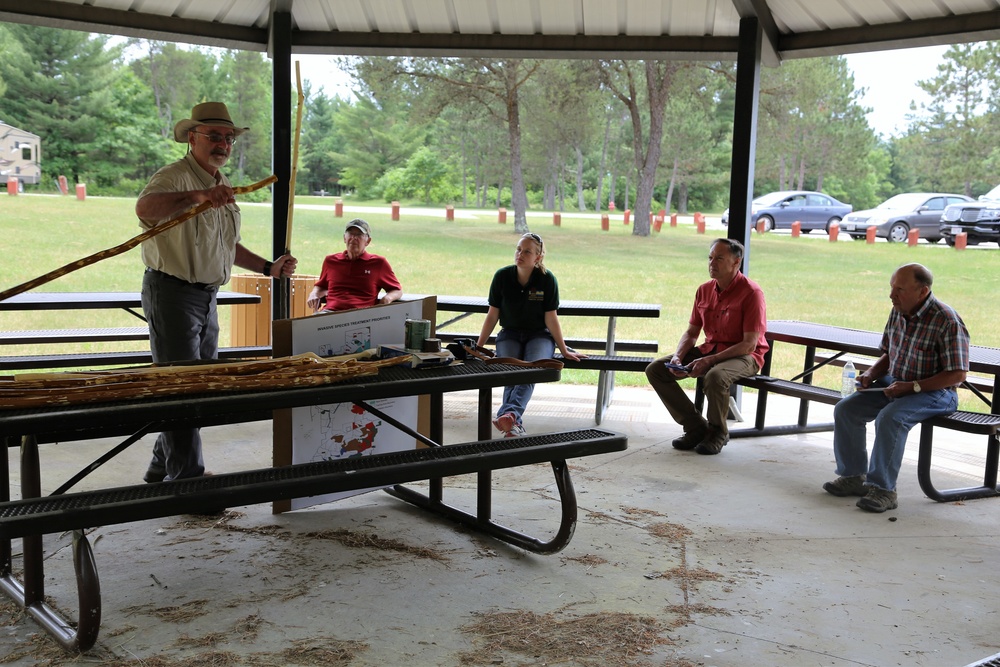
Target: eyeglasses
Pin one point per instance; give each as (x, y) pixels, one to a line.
(217, 138)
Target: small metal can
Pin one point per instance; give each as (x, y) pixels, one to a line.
(415, 333)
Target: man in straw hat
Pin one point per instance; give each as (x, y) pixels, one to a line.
(186, 265)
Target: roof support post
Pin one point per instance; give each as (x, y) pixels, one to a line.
(280, 51)
(745, 134)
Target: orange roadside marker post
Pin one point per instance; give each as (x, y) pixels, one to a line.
(834, 231)
(796, 229)
(961, 240)
(912, 237)
(870, 234)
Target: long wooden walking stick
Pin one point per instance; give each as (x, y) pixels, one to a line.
(284, 302)
(128, 245)
(295, 159)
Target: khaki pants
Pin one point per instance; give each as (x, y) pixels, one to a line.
(715, 384)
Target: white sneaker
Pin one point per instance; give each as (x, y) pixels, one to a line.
(516, 431)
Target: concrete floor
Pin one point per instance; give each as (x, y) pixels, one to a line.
(737, 559)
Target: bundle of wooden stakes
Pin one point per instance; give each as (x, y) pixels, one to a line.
(303, 370)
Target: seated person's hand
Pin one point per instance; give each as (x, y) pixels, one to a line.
(316, 299)
(679, 370)
(572, 355)
(699, 367)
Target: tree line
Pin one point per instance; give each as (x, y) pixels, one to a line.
(519, 133)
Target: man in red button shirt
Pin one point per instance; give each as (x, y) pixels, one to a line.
(354, 278)
(730, 309)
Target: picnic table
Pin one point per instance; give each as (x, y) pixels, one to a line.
(130, 302)
(842, 341)
(35, 515)
(606, 363)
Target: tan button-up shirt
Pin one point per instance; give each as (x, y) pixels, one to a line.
(200, 250)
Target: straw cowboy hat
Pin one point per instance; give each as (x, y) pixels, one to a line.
(207, 113)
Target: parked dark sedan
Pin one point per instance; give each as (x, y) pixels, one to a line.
(778, 210)
(895, 217)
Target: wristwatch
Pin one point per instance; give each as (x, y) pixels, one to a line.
(916, 387)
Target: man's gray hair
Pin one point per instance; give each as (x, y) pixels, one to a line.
(735, 247)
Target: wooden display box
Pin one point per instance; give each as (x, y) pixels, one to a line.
(251, 324)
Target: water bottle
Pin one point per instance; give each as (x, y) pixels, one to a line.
(847, 379)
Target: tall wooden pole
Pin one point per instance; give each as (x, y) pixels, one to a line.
(285, 291)
(128, 245)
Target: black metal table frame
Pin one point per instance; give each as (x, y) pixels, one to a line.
(29, 427)
(468, 305)
(843, 341)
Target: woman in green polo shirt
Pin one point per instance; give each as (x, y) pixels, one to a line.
(524, 298)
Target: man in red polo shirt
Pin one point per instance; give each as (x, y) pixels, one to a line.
(730, 309)
(354, 278)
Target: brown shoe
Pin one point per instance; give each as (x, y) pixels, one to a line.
(690, 439)
(713, 442)
(847, 486)
(878, 500)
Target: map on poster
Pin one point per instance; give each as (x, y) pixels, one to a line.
(328, 432)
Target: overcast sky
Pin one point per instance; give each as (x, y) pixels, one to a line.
(890, 77)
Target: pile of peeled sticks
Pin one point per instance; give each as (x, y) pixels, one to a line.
(303, 370)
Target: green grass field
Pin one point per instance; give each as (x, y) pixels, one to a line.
(808, 278)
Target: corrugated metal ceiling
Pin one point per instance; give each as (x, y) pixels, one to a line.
(638, 28)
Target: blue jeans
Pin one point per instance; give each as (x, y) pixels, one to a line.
(893, 420)
(529, 346)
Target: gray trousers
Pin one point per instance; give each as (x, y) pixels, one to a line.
(183, 326)
(715, 384)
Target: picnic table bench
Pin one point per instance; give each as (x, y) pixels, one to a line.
(842, 341)
(130, 302)
(35, 515)
(606, 364)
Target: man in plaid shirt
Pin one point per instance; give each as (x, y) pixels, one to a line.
(925, 356)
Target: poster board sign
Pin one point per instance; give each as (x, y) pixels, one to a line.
(343, 430)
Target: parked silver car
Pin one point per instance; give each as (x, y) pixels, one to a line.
(778, 210)
(895, 217)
